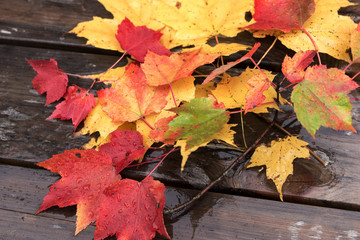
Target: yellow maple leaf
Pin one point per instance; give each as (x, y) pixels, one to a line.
(182, 23)
(98, 121)
(232, 91)
(184, 90)
(330, 31)
(278, 159)
(225, 135)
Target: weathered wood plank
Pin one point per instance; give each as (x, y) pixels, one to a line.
(26, 138)
(216, 216)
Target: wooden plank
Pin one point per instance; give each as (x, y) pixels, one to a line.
(26, 138)
(216, 216)
(44, 23)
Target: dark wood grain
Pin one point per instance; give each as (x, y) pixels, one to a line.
(27, 138)
(217, 216)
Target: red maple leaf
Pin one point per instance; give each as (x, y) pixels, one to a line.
(132, 210)
(50, 79)
(283, 15)
(137, 41)
(229, 65)
(85, 175)
(163, 70)
(254, 97)
(125, 147)
(293, 68)
(76, 106)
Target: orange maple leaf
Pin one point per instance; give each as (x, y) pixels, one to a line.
(162, 70)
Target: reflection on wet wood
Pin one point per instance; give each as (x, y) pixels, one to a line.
(215, 216)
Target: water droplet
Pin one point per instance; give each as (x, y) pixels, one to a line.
(127, 204)
(118, 197)
(79, 180)
(98, 185)
(90, 197)
(91, 214)
(86, 187)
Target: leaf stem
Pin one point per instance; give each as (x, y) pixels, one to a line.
(235, 162)
(292, 84)
(149, 161)
(267, 51)
(157, 165)
(313, 42)
(256, 65)
(351, 63)
(148, 124)
(173, 95)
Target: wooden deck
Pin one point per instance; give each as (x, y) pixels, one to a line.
(320, 202)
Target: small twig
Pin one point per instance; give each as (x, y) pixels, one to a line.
(243, 129)
(267, 51)
(235, 162)
(288, 133)
(292, 84)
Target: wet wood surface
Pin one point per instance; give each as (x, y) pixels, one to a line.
(242, 206)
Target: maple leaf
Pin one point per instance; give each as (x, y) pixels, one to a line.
(76, 106)
(151, 119)
(355, 44)
(255, 96)
(98, 121)
(125, 147)
(162, 70)
(82, 182)
(330, 31)
(321, 99)
(130, 98)
(232, 91)
(283, 15)
(132, 210)
(278, 159)
(188, 23)
(50, 79)
(184, 91)
(137, 41)
(160, 129)
(197, 120)
(293, 68)
(225, 134)
(229, 65)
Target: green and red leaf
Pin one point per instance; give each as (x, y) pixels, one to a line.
(321, 99)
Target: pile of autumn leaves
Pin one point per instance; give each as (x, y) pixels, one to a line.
(157, 92)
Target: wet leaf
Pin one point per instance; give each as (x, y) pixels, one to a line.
(50, 79)
(278, 159)
(124, 147)
(163, 70)
(132, 210)
(293, 68)
(355, 44)
(232, 91)
(76, 105)
(283, 15)
(137, 41)
(130, 98)
(198, 120)
(321, 99)
(83, 181)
